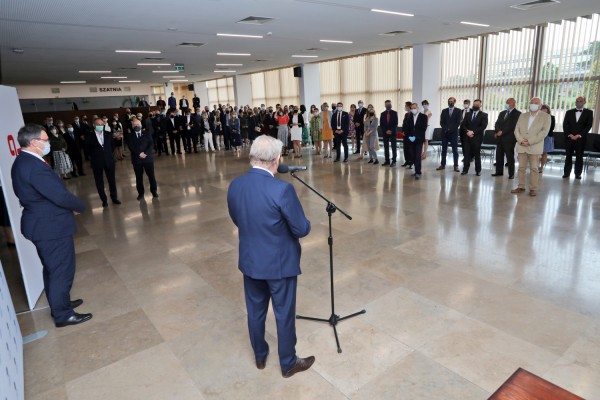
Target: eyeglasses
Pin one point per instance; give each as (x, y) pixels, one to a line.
(41, 140)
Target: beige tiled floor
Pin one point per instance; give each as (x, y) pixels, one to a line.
(462, 282)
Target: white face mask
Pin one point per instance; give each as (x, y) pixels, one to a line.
(69, 130)
(534, 107)
(46, 149)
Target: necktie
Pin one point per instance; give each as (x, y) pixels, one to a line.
(339, 120)
(474, 118)
(388, 117)
(450, 111)
(138, 135)
(506, 115)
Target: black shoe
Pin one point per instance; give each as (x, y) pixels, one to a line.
(140, 197)
(376, 162)
(116, 201)
(302, 364)
(385, 163)
(497, 174)
(464, 173)
(104, 204)
(76, 303)
(370, 162)
(336, 160)
(345, 160)
(506, 165)
(405, 164)
(409, 166)
(511, 177)
(393, 164)
(565, 176)
(578, 177)
(155, 195)
(74, 320)
(478, 173)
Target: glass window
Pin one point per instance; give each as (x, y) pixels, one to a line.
(460, 70)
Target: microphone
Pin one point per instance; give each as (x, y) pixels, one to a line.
(282, 169)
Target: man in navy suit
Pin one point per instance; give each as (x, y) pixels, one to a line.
(388, 120)
(340, 123)
(359, 123)
(48, 221)
(99, 146)
(473, 127)
(450, 123)
(578, 122)
(414, 127)
(141, 147)
(270, 221)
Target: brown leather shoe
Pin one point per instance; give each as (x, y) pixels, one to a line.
(532, 193)
(302, 364)
(261, 364)
(456, 169)
(440, 168)
(517, 190)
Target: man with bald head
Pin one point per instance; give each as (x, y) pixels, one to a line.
(141, 146)
(576, 126)
(505, 135)
(99, 145)
(532, 127)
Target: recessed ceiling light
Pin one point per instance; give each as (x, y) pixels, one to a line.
(392, 12)
(304, 56)
(234, 54)
(174, 71)
(72, 82)
(129, 81)
(179, 80)
(95, 72)
(138, 51)
(242, 36)
(229, 65)
(473, 23)
(154, 64)
(172, 29)
(223, 71)
(17, 50)
(113, 77)
(336, 41)
(174, 76)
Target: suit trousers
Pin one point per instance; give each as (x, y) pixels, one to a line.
(505, 147)
(340, 140)
(389, 141)
(161, 144)
(472, 149)
(77, 162)
(533, 160)
(577, 147)
(359, 137)
(187, 140)
(110, 177)
(175, 138)
(227, 137)
(414, 150)
(139, 168)
(451, 137)
(406, 151)
(58, 261)
(282, 293)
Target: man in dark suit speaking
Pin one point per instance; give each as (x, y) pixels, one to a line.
(47, 220)
(270, 221)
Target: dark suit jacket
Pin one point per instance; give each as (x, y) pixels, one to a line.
(47, 204)
(181, 106)
(171, 126)
(148, 126)
(359, 117)
(345, 122)
(72, 142)
(507, 126)
(144, 144)
(196, 102)
(271, 221)
(172, 102)
(478, 127)
(582, 127)
(417, 130)
(392, 125)
(450, 123)
(100, 156)
(143, 103)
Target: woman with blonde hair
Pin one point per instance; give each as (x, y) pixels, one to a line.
(371, 135)
(326, 131)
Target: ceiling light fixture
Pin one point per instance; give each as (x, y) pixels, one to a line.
(224, 71)
(129, 81)
(242, 36)
(174, 71)
(392, 12)
(179, 80)
(234, 54)
(174, 76)
(113, 77)
(95, 72)
(336, 41)
(72, 81)
(473, 23)
(139, 51)
(303, 56)
(154, 64)
(229, 65)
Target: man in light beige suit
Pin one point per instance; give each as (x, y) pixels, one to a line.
(530, 132)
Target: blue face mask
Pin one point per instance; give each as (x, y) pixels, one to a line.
(388, 107)
(506, 106)
(46, 149)
(99, 128)
(414, 111)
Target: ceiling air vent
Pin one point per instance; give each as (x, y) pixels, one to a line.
(255, 20)
(261, 60)
(394, 33)
(127, 68)
(190, 44)
(534, 4)
(153, 58)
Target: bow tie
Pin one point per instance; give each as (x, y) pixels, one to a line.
(578, 110)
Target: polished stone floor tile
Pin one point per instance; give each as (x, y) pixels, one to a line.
(575, 378)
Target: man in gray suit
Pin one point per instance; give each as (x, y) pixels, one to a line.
(505, 134)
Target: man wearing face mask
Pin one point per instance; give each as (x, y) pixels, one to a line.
(173, 129)
(359, 122)
(183, 104)
(141, 147)
(100, 147)
(340, 121)
(74, 151)
(450, 124)
(388, 120)
(48, 221)
(576, 126)
(505, 134)
(172, 102)
(473, 127)
(532, 127)
(414, 128)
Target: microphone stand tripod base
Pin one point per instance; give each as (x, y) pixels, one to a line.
(333, 320)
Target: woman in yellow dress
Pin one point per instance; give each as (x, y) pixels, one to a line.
(327, 133)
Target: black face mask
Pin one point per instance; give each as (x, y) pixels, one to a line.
(475, 108)
(137, 128)
(450, 104)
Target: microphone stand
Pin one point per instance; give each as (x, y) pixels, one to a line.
(333, 318)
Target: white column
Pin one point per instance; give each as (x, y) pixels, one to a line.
(427, 77)
(310, 85)
(202, 93)
(242, 88)
(168, 89)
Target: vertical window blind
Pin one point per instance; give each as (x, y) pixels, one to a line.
(460, 70)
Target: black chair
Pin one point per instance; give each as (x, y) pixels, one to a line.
(436, 139)
(592, 150)
(559, 144)
(488, 147)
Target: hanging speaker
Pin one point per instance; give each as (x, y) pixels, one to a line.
(297, 72)
(191, 87)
